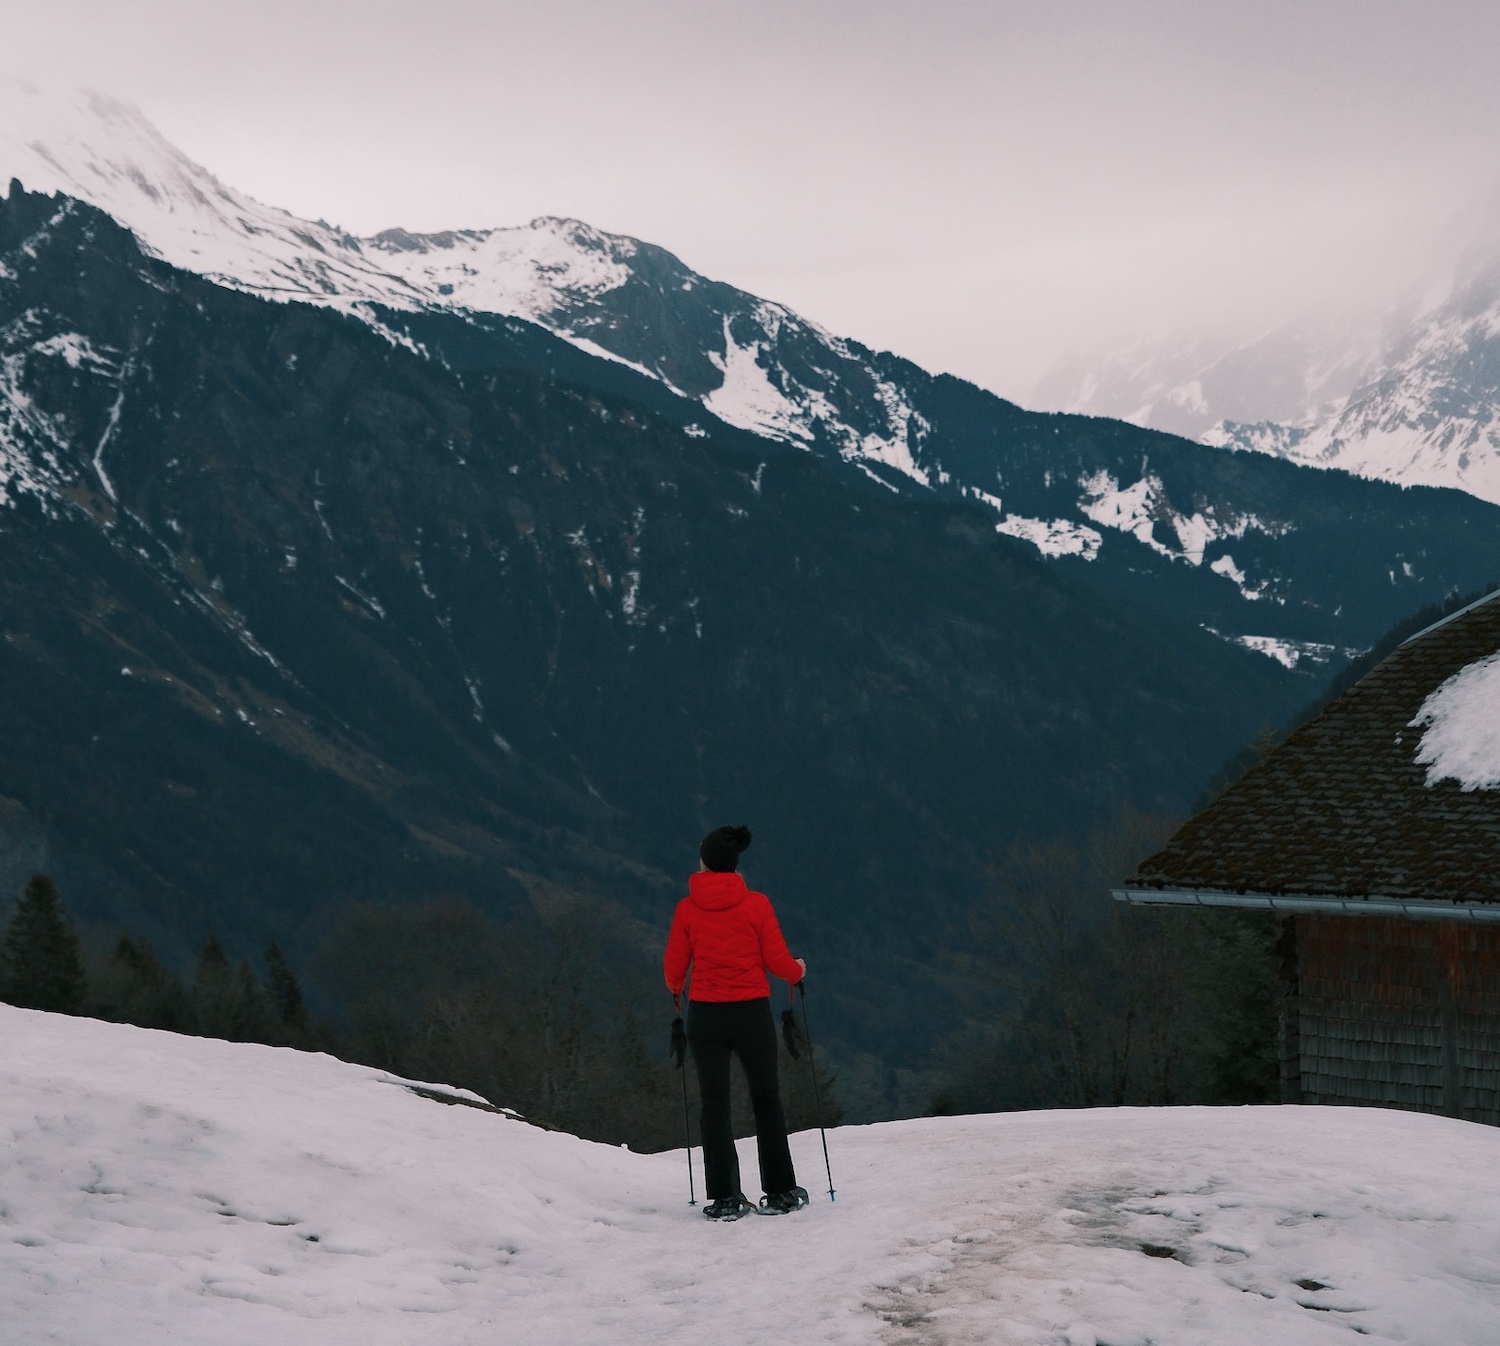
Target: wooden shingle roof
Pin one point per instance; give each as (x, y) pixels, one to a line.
(1342, 809)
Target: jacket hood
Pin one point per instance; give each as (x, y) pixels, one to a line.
(716, 892)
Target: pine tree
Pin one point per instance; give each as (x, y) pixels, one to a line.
(228, 1002)
(213, 963)
(130, 985)
(42, 963)
(286, 992)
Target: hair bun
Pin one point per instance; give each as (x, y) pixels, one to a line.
(721, 849)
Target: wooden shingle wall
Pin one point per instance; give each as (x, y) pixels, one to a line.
(1399, 1013)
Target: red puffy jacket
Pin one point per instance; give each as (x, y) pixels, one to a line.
(729, 935)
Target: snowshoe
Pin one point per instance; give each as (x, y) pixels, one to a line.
(728, 1208)
(783, 1203)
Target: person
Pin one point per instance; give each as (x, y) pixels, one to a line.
(727, 935)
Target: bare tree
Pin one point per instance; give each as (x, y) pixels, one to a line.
(1100, 991)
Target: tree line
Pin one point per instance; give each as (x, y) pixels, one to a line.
(559, 1020)
(1110, 1004)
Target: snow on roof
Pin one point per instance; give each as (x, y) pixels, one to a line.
(1388, 792)
(167, 1188)
(1461, 740)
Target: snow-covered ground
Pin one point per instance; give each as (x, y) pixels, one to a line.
(158, 1188)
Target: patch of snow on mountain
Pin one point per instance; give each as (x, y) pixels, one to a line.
(75, 350)
(1053, 537)
(1461, 728)
(30, 439)
(1279, 441)
(1288, 653)
(1189, 396)
(1225, 566)
(523, 271)
(894, 448)
(1131, 510)
(1138, 508)
(748, 399)
(168, 1188)
(600, 353)
(110, 427)
(1194, 533)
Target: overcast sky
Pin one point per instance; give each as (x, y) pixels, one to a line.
(974, 185)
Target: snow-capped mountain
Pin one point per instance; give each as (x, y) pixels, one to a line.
(168, 1188)
(1297, 372)
(290, 612)
(389, 591)
(1154, 513)
(751, 363)
(1409, 394)
(1428, 414)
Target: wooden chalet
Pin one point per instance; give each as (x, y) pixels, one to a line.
(1387, 873)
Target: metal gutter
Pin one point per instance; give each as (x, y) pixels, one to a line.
(1412, 908)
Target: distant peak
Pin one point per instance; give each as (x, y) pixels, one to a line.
(402, 240)
(585, 235)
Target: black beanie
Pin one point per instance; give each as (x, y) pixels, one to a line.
(720, 850)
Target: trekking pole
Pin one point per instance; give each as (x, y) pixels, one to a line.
(817, 1095)
(679, 1050)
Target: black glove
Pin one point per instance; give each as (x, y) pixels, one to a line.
(791, 1034)
(678, 1049)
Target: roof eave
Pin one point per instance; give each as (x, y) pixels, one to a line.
(1412, 908)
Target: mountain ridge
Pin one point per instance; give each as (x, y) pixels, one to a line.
(292, 616)
(311, 603)
(1408, 394)
(733, 359)
(1428, 413)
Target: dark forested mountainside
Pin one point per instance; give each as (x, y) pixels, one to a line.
(1309, 566)
(291, 616)
(1320, 562)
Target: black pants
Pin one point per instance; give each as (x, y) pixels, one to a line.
(745, 1029)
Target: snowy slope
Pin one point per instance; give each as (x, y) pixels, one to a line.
(1297, 372)
(1410, 394)
(753, 364)
(106, 153)
(158, 1187)
(1429, 415)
